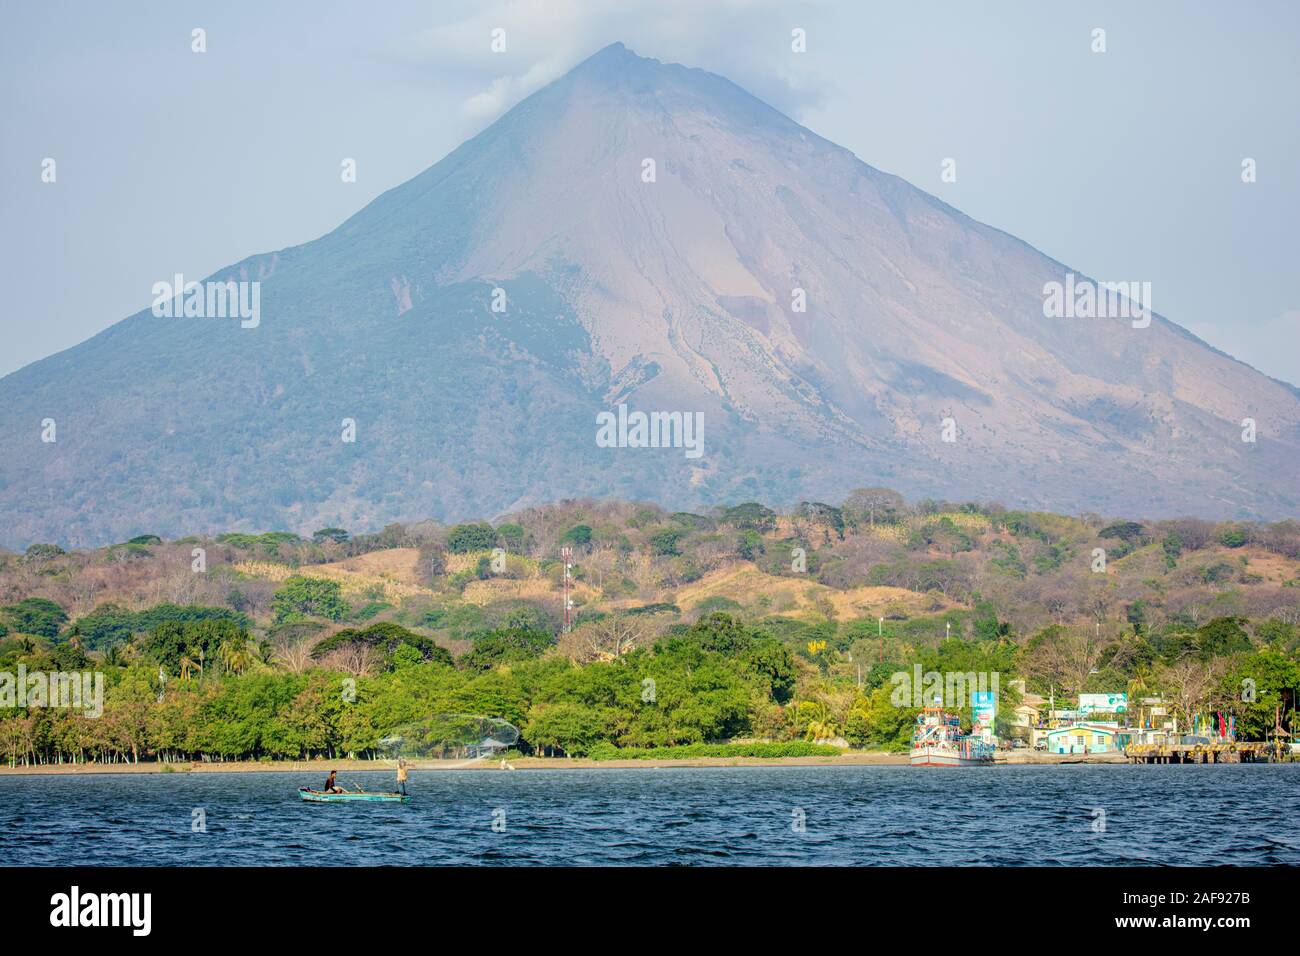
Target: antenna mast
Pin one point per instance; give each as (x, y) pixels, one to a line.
(566, 553)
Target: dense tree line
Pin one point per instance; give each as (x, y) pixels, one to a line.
(228, 664)
(708, 682)
(205, 689)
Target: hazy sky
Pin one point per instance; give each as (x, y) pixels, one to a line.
(1125, 165)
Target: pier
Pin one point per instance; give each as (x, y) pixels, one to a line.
(1203, 753)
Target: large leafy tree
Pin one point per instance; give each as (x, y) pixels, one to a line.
(773, 665)
(34, 615)
(1258, 688)
(388, 638)
(579, 534)
(109, 625)
(721, 633)
(751, 516)
(464, 538)
(504, 645)
(1128, 531)
(513, 536)
(874, 721)
(870, 506)
(1221, 636)
(571, 727)
(173, 642)
(302, 596)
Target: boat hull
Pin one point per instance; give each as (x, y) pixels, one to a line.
(942, 757)
(317, 796)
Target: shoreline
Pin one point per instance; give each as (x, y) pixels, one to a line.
(868, 758)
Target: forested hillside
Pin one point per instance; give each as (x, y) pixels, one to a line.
(739, 624)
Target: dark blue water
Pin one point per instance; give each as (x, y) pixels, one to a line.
(1243, 815)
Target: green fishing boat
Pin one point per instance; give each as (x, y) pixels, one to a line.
(361, 796)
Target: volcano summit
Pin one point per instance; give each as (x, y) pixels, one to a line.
(648, 235)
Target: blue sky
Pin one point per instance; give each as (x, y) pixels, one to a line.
(1125, 165)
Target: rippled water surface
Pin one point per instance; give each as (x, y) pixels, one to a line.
(1243, 815)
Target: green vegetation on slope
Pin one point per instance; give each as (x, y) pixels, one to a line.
(692, 630)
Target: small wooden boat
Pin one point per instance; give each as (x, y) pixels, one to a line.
(320, 796)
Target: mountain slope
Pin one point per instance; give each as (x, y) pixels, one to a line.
(671, 295)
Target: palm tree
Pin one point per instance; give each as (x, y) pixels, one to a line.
(816, 719)
(237, 656)
(1138, 689)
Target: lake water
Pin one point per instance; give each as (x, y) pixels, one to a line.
(1243, 815)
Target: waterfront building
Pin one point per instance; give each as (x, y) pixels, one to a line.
(1085, 738)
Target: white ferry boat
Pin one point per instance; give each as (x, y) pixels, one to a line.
(939, 742)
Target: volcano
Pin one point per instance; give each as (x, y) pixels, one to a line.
(636, 238)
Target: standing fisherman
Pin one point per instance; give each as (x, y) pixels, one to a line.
(401, 775)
